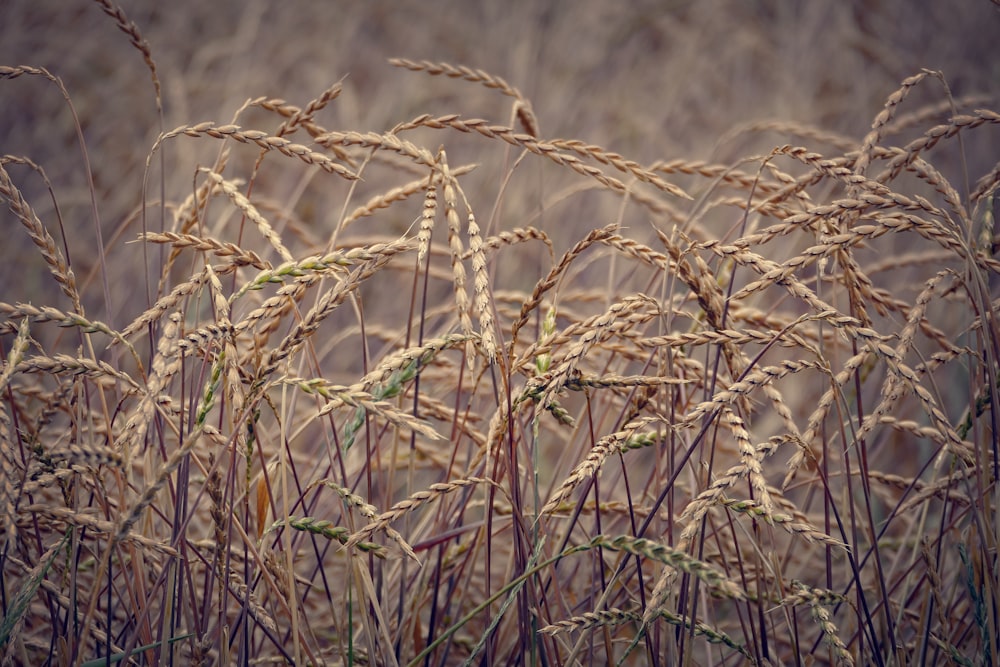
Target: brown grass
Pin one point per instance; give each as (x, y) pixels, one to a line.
(625, 410)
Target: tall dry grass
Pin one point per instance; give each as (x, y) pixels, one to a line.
(454, 391)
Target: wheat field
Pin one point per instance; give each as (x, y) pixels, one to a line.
(529, 333)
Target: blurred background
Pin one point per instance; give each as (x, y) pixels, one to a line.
(652, 80)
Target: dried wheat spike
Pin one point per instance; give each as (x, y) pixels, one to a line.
(350, 499)
(459, 71)
(239, 256)
(592, 619)
(449, 186)
(913, 149)
(513, 236)
(36, 573)
(603, 327)
(700, 629)
(675, 558)
(550, 280)
(59, 364)
(244, 204)
(326, 305)
(801, 528)
(40, 236)
(481, 287)
(258, 138)
(397, 194)
(427, 216)
(9, 468)
(550, 152)
(598, 454)
(937, 585)
(329, 531)
(90, 521)
(304, 116)
(137, 40)
(822, 617)
(257, 610)
(883, 118)
(412, 357)
(169, 301)
(219, 513)
(307, 123)
(388, 141)
(942, 488)
(435, 491)
(357, 398)
(803, 594)
(522, 107)
(890, 393)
